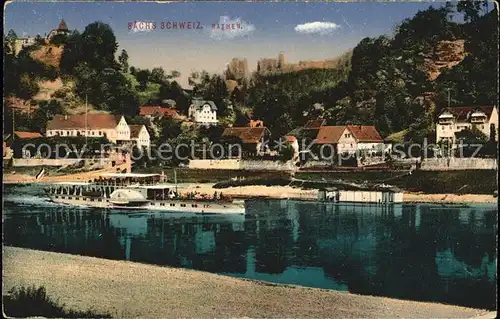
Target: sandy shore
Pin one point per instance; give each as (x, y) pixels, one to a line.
(131, 290)
(267, 191)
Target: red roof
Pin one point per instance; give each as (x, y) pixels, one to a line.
(62, 26)
(22, 135)
(92, 121)
(329, 134)
(246, 134)
(158, 111)
(365, 133)
(462, 113)
(314, 124)
(290, 138)
(135, 130)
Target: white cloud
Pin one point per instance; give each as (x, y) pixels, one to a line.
(142, 26)
(317, 27)
(228, 28)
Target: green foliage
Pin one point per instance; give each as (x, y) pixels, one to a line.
(59, 39)
(157, 75)
(22, 302)
(280, 100)
(123, 59)
(471, 9)
(142, 77)
(474, 80)
(286, 153)
(170, 129)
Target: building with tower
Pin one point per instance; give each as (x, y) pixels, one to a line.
(62, 29)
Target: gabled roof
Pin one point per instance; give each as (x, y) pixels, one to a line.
(62, 26)
(135, 130)
(329, 134)
(21, 134)
(152, 110)
(94, 121)
(246, 134)
(314, 124)
(364, 133)
(462, 113)
(198, 103)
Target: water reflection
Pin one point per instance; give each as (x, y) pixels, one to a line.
(420, 252)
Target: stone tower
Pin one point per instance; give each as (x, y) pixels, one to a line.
(281, 60)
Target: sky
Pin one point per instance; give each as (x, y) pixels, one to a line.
(303, 30)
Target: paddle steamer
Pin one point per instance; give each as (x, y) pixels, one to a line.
(140, 192)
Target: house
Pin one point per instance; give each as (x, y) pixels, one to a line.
(140, 135)
(367, 138)
(314, 124)
(61, 29)
(252, 138)
(113, 127)
(158, 112)
(203, 112)
(452, 120)
(26, 135)
(350, 139)
(339, 139)
(7, 151)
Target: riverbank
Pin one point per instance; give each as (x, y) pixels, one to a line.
(127, 289)
(279, 192)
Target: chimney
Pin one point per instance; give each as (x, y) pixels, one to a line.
(66, 117)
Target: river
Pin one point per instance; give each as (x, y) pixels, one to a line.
(426, 252)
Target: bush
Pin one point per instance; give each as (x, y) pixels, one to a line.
(29, 302)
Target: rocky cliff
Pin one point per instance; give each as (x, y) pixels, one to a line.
(445, 55)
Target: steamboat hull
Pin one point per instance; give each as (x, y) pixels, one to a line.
(172, 206)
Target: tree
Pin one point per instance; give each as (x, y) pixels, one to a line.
(143, 78)
(123, 59)
(10, 42)
(99, 46)
(471, 9)
(72, 53)
(174, 74)
(158, 75)
(170, 129)
(59, 39)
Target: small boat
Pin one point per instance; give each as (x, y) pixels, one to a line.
(132, 191)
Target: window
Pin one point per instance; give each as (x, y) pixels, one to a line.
(172, 204)
(183, 205)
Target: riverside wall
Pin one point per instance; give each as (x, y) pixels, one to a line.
(452, 163)
(237, 164)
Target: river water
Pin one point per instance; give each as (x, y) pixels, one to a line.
(419, 252)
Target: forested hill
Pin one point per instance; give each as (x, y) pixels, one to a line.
(395, 82)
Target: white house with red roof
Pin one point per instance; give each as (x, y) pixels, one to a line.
(113, 127)
(452, 120)
(140, 135)
(350, 138)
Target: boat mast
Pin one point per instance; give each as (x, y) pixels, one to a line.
(86, 120)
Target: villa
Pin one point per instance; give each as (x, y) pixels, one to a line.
(452, 120)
